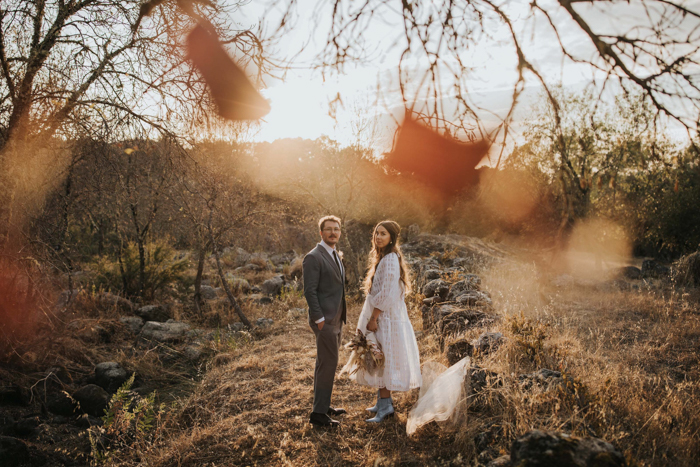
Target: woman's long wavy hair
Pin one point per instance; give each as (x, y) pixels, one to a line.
(376, 255)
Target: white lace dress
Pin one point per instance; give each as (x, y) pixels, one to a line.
(401, 370)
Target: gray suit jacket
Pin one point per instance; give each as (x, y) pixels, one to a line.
(324, 288)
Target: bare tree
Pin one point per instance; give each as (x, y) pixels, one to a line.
(71, 68)
(651, 46)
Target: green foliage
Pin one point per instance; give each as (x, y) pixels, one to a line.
(610, 163)
(130, 422)
(162, 269)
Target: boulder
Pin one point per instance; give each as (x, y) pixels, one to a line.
(459, 321)
(264, 322)
(61, 403)
(134, 323)
(431, 274)
(550, 448)
(476, 298)
(273, 286)
(651, 268)
(480, 378)
(109, 300)
(93, 399)
(14, 395)
(470, 283)
(488, 342)
(13, 451)
(542, 377)
(207, 292)
(65, 298)
(281, 259)
(628, 272)
(250, 267)
(238, 283)
(457, 350)
(110, 376)
(27, 427)
(194, 352)
(436, 287)
(164, 332)
(159, 313)
(242, 257)
(297, 313)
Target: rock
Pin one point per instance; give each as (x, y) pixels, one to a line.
(469, 284)
(628, 272)
(431, 274)
(542, 377)
(61, 403)
(194, 352)
(93, 399)
(686, 271)
(95, 333)
(480, 299)
(109, 300)
(459, 321)
(457, 350)
(159, 313)
(263, 300)
(238, 283)
(207, 292)
(540, 448)
(297, 313)
(503, 461)
(264, 322)
(14, 395)
(27, 427)
(248, 268)
(13, 451)
(436, 287)
(273, 286)
(134, 323)
(283, 258)
(164, 332)
(110, 376)
(237, 326)
(65, 298)
(242, 257)
(488, 341)
(651, 268)
(480, 378)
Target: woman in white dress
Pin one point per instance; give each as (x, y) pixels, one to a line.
(384, 317)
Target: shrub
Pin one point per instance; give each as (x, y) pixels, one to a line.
(131, 424)
(161, 270)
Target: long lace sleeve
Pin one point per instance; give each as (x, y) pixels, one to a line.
(387, 279)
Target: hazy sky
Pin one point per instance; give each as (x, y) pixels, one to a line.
(300, 103)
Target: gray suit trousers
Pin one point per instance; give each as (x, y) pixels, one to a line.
(327, 345)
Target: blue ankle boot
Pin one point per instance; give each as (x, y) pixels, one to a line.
(385, 409)
(376, 404)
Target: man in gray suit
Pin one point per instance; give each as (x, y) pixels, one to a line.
(324, 289)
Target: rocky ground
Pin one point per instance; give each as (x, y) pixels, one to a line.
(217, 374)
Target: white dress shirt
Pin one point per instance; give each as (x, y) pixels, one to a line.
(331, 250)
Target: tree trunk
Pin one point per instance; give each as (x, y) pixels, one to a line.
(198, 280)
(229, 294)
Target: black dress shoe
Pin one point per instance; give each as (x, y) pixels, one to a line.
(336, 412)
(321, 419)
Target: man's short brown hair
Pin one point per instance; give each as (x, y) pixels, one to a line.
(325, 219)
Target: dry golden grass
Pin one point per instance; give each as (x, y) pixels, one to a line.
(629, 361)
